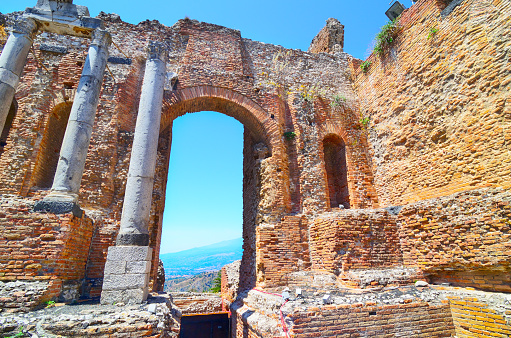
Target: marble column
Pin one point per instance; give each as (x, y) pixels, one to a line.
(13, 59)
(129, 262)
(68, 176)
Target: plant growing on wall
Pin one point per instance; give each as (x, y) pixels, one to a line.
(365, 66)
(289, 135)
(19, 334)
(275, 76)
(338, 100)
(309, 93)
(364, 121)
(432, 32)
(386, 36)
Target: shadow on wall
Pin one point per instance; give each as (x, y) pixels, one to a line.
(8, 124)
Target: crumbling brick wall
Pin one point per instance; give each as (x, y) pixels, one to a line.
(355, 239)
(42, 248)
(438, 102)
(463, 239)
(282, 249)
(407, 320)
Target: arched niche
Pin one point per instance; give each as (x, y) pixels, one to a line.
(49, 148)
(334, 151)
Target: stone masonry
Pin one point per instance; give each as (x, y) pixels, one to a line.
(379, 189)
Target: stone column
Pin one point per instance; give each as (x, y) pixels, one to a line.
(13, 59)
(129, 262)
(68, 176)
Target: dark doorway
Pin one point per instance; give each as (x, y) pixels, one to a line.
(337, 171)
(205, 326)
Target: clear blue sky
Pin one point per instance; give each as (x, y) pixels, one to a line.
(204, 198)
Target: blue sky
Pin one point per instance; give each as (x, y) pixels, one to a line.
(204, 198)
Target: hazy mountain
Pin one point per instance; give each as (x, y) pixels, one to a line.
(198, 283)
(203, 259)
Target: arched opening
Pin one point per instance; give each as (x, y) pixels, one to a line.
(334, 151)
(49, 148)
(256, 127)
(203, 205)
(8, 124)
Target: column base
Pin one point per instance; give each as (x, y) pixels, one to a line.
(132, 239)
(59, 203)
(126, 275)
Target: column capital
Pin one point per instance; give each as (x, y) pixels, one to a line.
(101, 37)
(26, 26)
(156, 50)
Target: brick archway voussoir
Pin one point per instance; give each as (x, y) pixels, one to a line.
(177, 103)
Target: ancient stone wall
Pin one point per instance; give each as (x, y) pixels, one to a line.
(271, 90)
(407, 320)
(438, 103)
(424, 131)
(43, 247)
(355, 239)
(281, 250)
(463, 239)
(479, 313)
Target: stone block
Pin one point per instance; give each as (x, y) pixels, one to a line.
(138, 267)
(129, 253)
(133, 296)
(125, 281)
(115, 267)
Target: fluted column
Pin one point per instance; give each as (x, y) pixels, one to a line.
(128, 263)
(68, 176)
(12, 61)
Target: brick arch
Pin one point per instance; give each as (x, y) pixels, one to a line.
(208, 98)
(49, 148)
(362, 193)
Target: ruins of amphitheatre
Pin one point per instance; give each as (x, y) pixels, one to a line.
(376, 191)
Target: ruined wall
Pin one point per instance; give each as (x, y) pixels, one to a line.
(407, 320)
(438, 102)
(48, 251)
(281, 250)
(269, 89)
(463, 239)
(482, 314)
(41, 246)
(348, 240)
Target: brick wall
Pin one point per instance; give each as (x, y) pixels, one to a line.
(439, 104)
(38, 246)
(42, 247)
(359, 320)
(478, 314)
(453, 237)
(46, 163)
(356, 239)
(281, 249)
(462, 239)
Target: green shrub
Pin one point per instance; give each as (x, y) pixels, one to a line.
(337, 100)
(432, 32)
(365, 66)
(386, 36)
(289, 135)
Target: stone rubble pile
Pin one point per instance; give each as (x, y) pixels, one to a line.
(157, 318)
